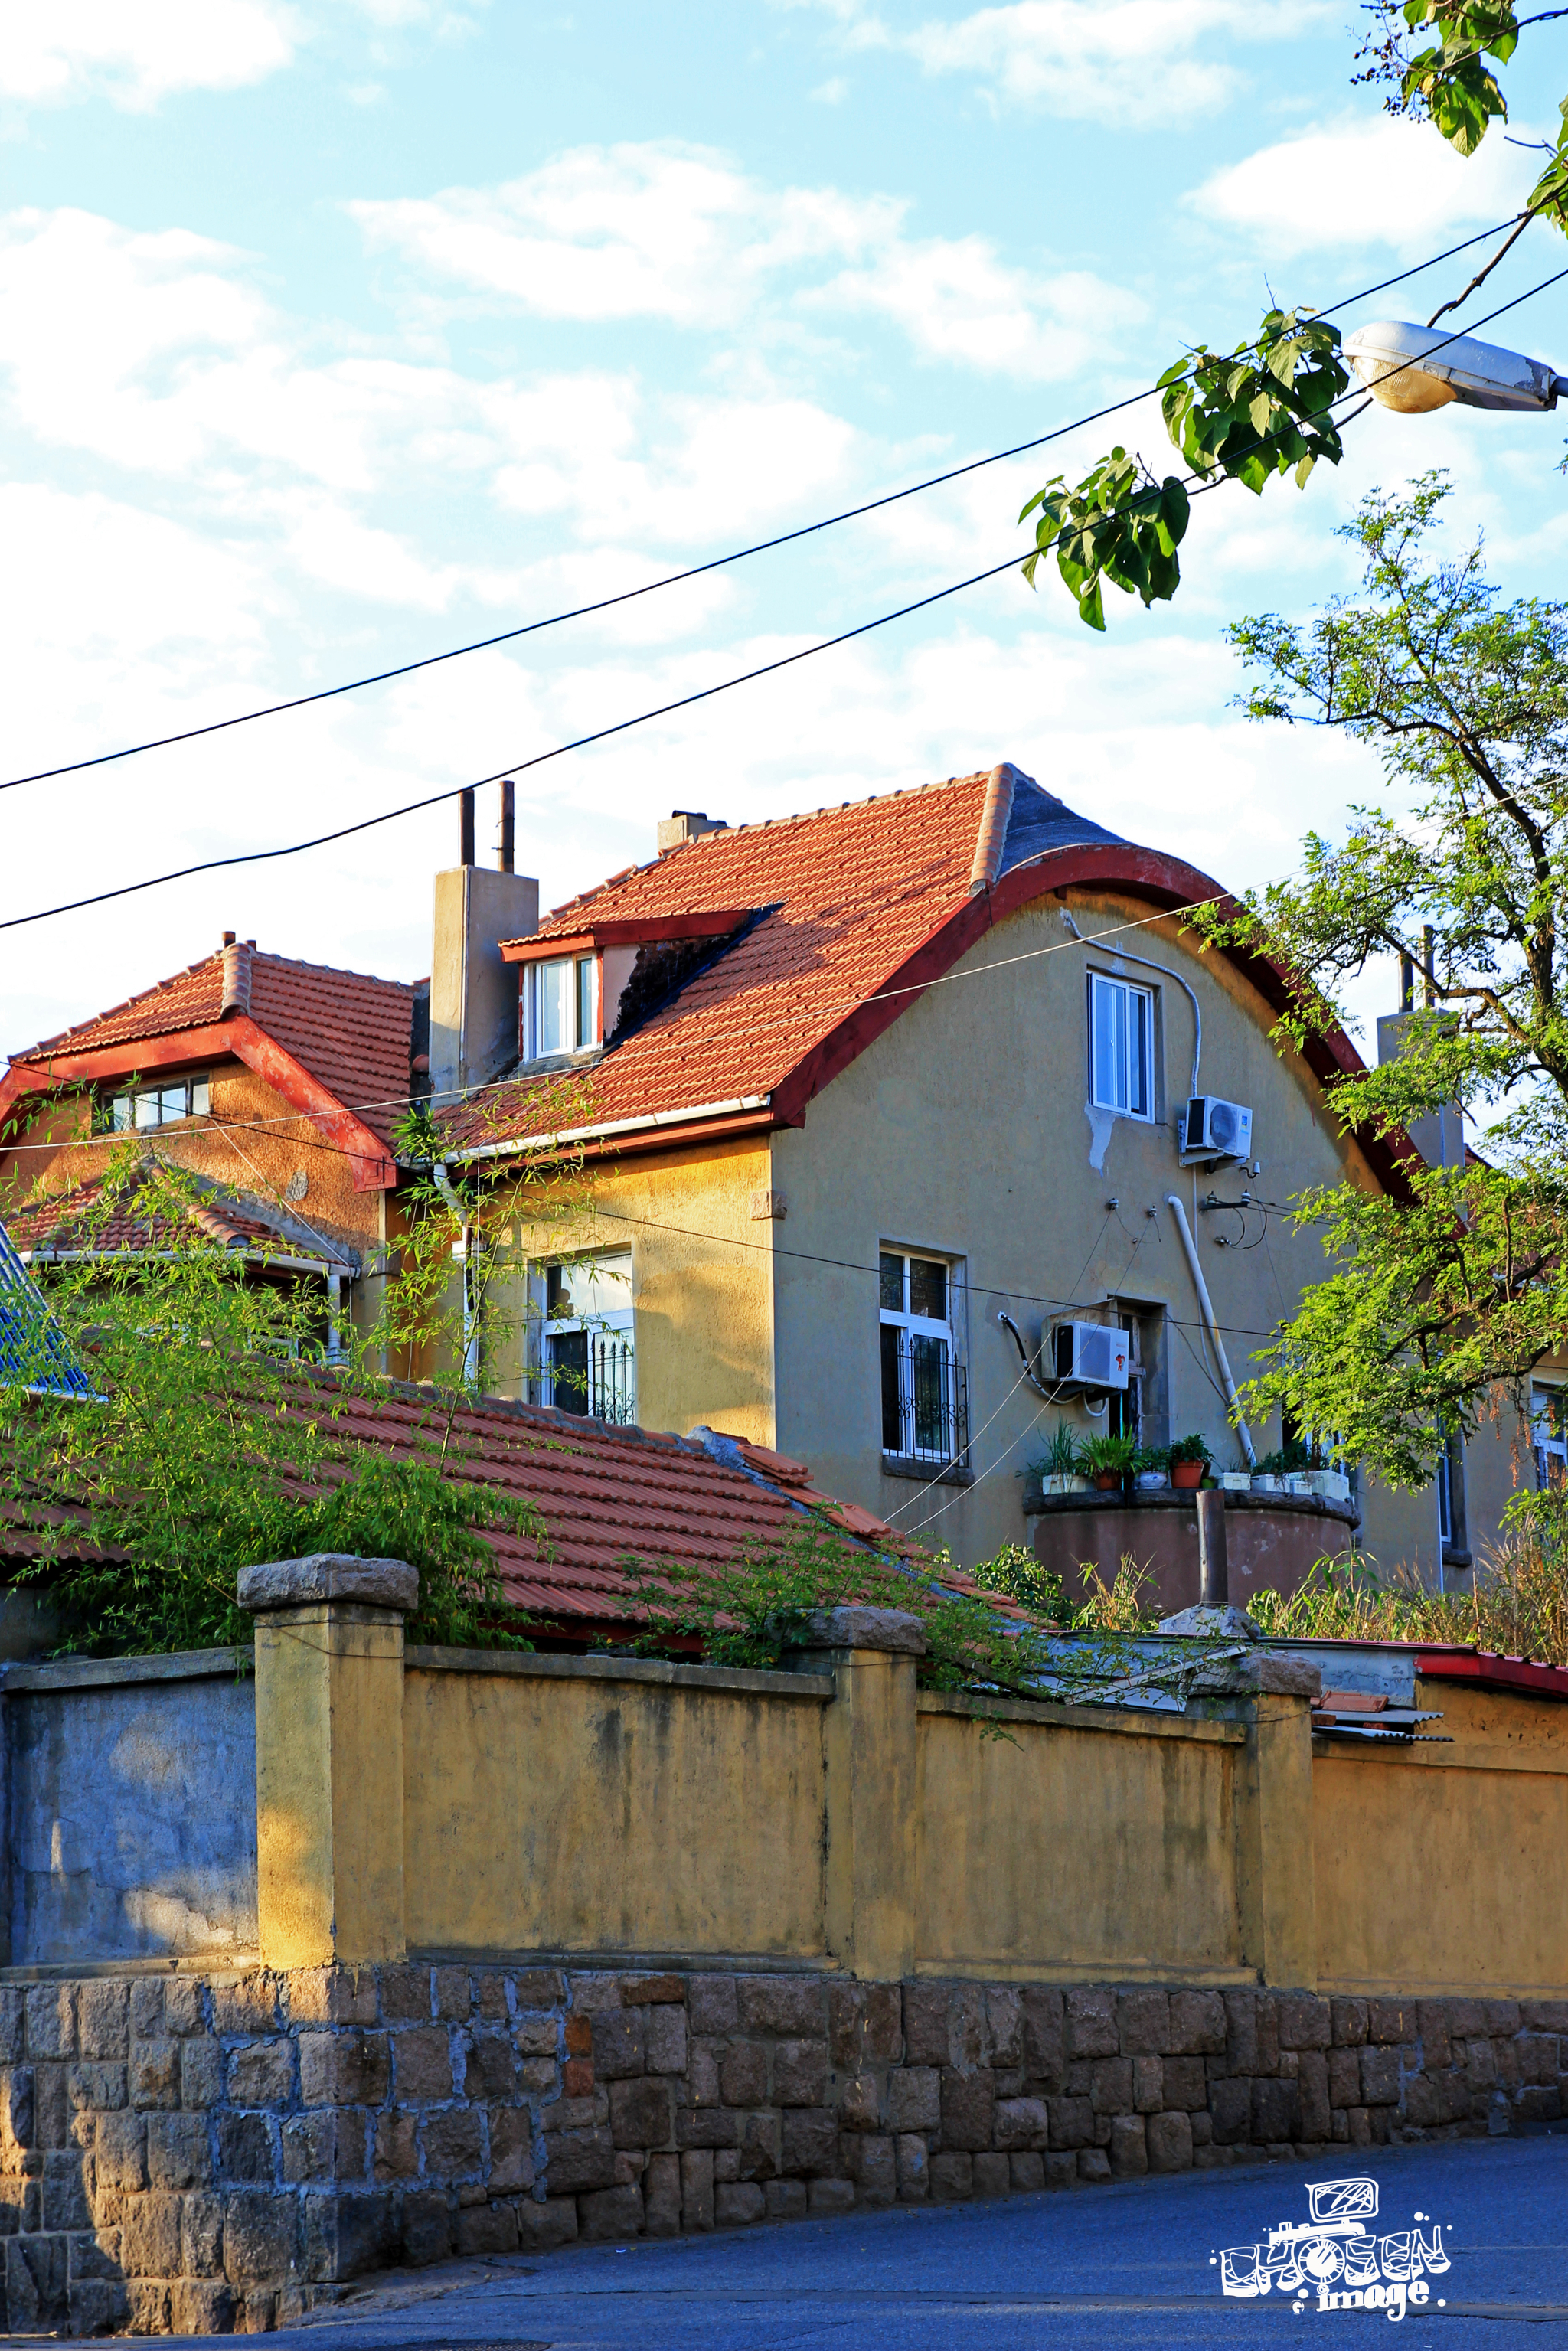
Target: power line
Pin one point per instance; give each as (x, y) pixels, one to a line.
(693, 572)
(683, 702)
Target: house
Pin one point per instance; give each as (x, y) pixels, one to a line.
(275, 1084)
(869, 1107)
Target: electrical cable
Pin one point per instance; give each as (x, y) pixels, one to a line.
(683, 702)
(694, 572)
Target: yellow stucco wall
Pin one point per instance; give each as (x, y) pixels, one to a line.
(703, 1283)
(254, 1140)
(566, 1805)
(1108, 1851)
(1439, 1868)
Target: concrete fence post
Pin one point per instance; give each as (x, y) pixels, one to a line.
(328, 1756)
(870, 1735)
(1276, 1876)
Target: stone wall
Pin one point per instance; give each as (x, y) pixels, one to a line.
(223, 2151)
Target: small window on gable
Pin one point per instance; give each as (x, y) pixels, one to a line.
(562, 1006)
(1121, 1046)
(140, 1109)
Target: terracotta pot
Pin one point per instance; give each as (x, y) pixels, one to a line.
(1186, 1475)
(1107, 1480)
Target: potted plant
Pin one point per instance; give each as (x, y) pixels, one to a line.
(1059, 1463)
(1109, 1460)
(1189, 1457)
(1151, 1467)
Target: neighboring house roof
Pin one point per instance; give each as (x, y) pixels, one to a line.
(335, 1044)
(100, 1218)
(854, 911)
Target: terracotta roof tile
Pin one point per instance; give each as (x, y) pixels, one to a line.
(350, 1030)
(90, 1215)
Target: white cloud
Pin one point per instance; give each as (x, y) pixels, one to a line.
(832, 92)
(955, 300)
(138, 51)
(1112, 62)
(1377, 181)
(679, 233)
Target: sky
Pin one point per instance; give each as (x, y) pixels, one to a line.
(334, 333)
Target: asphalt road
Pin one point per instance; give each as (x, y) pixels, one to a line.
(1100, 2268)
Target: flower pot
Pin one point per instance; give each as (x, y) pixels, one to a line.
(1107, 1480)
(1152, 1482)
(1236, 1481)
(1187, 1476)
(1063, 1481)
(1263, 1482)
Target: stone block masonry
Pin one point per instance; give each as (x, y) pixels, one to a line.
(223, 2151)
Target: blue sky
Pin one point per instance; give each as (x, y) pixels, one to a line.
(331, 334)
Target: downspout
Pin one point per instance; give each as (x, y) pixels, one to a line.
(453, 1200)
(1165, 973)
(334, 1315)
(1205, 1308)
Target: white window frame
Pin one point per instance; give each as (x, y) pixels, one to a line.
(125, 1111)
(621, 1321)
(942, 1331)
(585, 1014)
(1548, 1431)
(1135, 1001)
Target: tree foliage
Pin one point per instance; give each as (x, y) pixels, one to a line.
(220, 1437)
(1267, 408)
(1459, 1283)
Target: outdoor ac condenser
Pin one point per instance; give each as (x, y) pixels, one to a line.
(1089, 1355)
(1217, 1130)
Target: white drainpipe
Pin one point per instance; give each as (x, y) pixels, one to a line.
(334, 1315)
(1205, 1308)
(462, 1253)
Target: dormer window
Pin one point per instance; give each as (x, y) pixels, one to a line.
(562, 1007)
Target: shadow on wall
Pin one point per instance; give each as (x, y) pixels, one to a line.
(132, 1810)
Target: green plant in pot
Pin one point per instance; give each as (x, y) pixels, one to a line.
(1109, 1460)
(1150, 1464)
(1189, 1457)
(1060, 1466)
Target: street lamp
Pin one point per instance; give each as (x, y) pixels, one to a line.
(1415, 369)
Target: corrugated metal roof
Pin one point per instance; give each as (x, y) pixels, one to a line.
(34, 1352)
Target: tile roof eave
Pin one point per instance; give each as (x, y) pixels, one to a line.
(655, 1131)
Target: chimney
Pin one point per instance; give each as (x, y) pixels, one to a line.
(686, 824)
(236, 977)
(473, 990)
(1439, 1136)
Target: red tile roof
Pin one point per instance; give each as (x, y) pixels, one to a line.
(849, 893)
(350, 1030)
(605, 1494)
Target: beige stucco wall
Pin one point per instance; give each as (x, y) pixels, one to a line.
(963, 1130)
(1111, 1847)
(1439, 1868)
(547, 1805)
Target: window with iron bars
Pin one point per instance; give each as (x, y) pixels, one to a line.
(587, 1359)
(925, 1387)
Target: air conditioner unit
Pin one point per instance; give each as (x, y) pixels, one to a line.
(1217, 1130)
(1089, 1355)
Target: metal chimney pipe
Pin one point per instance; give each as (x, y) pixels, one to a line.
(508, 823)
(1407, 984)
(466, 848)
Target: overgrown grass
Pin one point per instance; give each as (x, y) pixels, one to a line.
(1519, 1604)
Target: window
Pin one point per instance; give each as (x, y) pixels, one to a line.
(1549, 1422)
(138, 1112)
(586, 1355)
(1121, 1046)
(924, 1397)
(561, 995)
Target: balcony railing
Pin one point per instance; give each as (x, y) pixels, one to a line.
(589, 1371)
(925, 1398)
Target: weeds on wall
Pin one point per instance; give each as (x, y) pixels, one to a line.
(757, 1608)
(1518, 1605)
